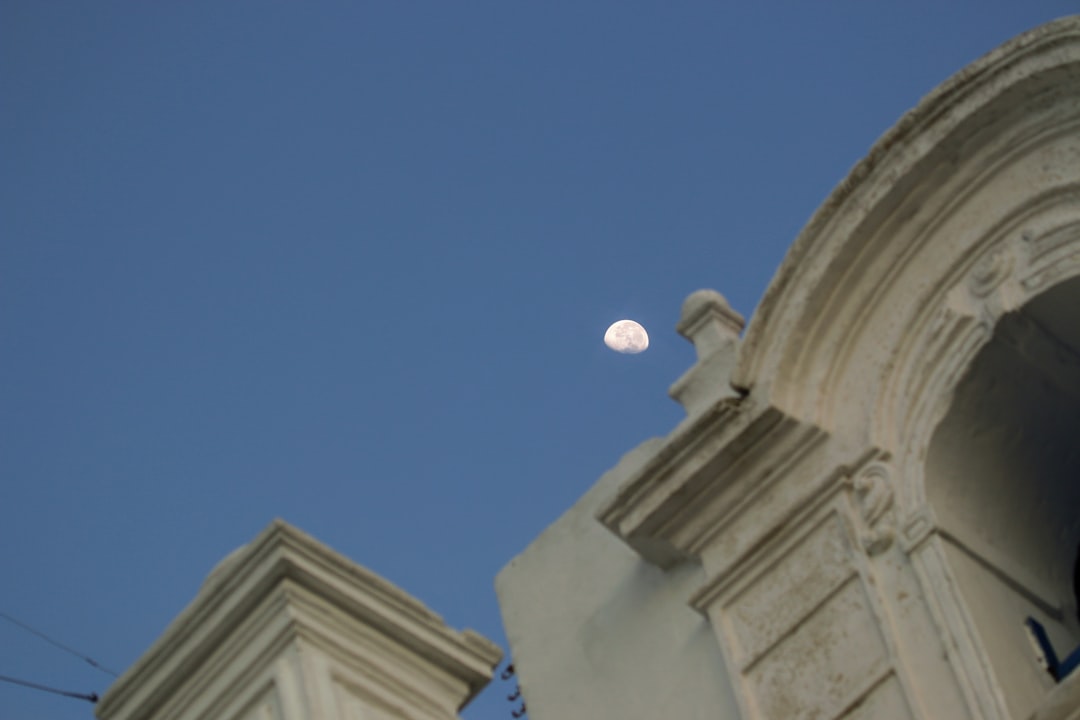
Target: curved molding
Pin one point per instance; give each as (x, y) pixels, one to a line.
(1034, 252)
(944, 200)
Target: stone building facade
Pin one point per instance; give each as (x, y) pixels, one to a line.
(872, 507)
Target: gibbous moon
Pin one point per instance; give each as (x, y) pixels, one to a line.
(626, 336)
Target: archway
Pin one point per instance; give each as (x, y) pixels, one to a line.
(1002, 475)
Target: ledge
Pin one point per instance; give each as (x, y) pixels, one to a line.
(669, 509)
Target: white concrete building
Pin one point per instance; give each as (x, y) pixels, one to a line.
(877, 488)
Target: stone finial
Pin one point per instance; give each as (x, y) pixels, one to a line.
(709, 322)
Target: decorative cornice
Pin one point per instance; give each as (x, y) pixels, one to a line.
(707, 469)
(282, 557)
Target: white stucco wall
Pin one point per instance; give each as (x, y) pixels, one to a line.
(599, 633)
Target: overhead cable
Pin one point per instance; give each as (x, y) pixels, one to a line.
(89, 697)
(91, 661)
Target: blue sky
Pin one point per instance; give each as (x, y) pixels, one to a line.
(350, 264)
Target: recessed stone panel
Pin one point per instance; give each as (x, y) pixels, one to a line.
(790, 590)
(825, 665)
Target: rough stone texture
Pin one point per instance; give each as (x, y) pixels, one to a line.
(879, 484)
(286, 629)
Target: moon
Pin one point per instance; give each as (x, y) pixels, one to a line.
(627, 337)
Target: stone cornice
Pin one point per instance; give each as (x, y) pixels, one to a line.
(708, 468)
(280, 557)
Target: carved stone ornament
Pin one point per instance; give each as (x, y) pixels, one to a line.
(990, 271)
(873, 494)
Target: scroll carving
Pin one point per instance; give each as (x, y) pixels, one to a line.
(989, 272)
(873, 494)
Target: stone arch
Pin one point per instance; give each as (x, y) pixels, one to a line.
(1001, 477)
(967, 209)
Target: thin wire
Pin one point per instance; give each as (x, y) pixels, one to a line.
(54, 643)
(89, 697)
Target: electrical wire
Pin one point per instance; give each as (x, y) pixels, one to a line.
(91, 661)
(89, 697)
